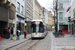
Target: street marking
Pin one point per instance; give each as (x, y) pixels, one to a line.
(52, 46)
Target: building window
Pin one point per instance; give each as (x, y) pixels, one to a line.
(22, 9)
(60, 5)
(18, 7)
(60, 16)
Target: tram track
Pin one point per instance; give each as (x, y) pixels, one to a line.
(26, 45)
(34, 44)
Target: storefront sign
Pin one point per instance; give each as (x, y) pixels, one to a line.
(64, 23)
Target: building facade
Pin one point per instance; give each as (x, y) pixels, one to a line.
(20, 15)
(71, 13)
(62, 15)
(46, 17)
(50, 20)
(7, 14)
(37, 10)
(28, 14)
(29, 10)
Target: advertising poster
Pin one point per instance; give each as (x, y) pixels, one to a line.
(66, 13)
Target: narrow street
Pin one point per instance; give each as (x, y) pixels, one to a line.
(34, 44)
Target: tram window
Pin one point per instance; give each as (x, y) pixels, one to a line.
(41, 28)
(33, 26)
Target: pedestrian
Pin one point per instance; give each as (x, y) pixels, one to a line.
(25, 34)
(18, 34)
(7, 33)
(11, 35)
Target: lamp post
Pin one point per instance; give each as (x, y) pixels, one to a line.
(14, 30)
(72, 26)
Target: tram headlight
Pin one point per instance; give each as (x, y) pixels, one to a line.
(32, 34)
(40, 34)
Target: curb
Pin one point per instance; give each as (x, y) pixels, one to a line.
(16, 44)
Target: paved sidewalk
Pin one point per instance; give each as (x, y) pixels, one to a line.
(64, 43)
(6, 43)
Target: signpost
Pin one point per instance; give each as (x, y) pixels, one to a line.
(15, 30)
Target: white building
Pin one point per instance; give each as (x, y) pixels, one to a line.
(20, 15)
(29, 10)
(46, 16)
(28, 14)
(62, 15)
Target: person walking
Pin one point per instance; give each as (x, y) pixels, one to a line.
(7, 33)
(18, 34)
(11, 35)
(24, 33)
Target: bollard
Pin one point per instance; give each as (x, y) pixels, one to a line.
(14, 37)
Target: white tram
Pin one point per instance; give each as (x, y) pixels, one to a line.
(38, 29)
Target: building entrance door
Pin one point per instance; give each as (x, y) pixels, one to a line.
(3, 25)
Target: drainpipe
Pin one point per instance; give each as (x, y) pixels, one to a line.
(8, 18)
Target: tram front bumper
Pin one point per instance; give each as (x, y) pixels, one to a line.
(37, 35)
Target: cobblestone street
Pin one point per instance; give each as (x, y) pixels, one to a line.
(50, 42)
(35, 44)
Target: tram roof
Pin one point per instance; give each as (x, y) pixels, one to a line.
(37, 20)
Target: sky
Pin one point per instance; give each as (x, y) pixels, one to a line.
(46, 3)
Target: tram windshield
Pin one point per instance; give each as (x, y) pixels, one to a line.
(37, 28)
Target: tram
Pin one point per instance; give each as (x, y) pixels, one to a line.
(38, 29)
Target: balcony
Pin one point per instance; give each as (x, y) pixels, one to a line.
(3, 1)
(6, 2)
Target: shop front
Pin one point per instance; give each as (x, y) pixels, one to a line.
(20, 26)
(63, 28)
(20, 23)
(3, 19)
(3, 25)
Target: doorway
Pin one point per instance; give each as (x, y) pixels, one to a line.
(2, 26)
